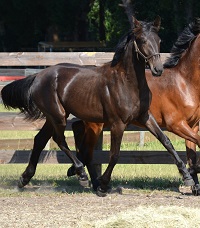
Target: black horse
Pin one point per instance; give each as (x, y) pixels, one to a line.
(115, 93)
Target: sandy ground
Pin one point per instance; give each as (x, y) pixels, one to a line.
(44, 208)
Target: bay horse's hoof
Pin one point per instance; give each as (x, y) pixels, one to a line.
(100, 192)
(83, 180)
(84, 183)
(189, 182)
(196, 190)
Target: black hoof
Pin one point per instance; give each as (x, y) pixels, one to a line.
(101, 193)
(20, 183)
(189, 182)
(17, 189)
(71, 171)
(95, 185)
(196, 190)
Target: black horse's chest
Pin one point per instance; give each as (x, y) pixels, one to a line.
(122, 100)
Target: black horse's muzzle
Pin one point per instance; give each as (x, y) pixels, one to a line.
(156, 65)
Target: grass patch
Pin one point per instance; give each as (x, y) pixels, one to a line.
(142, 177)
(17, 134)
(24, 134)
(155, 145)
(48, 177)
(3, 109)
(146, 177)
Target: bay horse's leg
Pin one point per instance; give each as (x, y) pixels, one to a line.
(192, 157)
(93, 131)
(192, 139)
(86, 136)
(194, 166)
(148, 120)
(40, 142)
(117, 130)
(183, 130)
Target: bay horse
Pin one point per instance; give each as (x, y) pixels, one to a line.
(115, 94)
(175, 104)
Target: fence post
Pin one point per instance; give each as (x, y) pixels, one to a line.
(47, 147)
(142, 133)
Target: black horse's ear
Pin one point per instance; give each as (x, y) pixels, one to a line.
(136, 23)
(157, 22)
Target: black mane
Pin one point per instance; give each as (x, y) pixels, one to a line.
(122, 44)
(120, 48)
(182, 43)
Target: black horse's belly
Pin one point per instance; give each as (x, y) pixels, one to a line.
(80, 97)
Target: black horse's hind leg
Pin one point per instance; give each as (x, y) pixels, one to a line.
(59, 138)
(149, 121)
(40, 141)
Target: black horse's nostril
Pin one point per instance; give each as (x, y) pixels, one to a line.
(158, 71)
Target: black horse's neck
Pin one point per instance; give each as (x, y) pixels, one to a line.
(134, 65)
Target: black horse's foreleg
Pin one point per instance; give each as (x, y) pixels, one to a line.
(40, 142)
(150, 123)
(117, 131)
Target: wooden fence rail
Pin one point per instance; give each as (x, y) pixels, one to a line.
(13, 121)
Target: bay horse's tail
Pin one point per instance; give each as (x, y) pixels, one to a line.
(17, 95)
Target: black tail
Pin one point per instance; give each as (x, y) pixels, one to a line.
(17, 94)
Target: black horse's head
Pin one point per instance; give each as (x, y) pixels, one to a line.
(147, 43)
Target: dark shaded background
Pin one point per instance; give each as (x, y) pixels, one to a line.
(23, 23)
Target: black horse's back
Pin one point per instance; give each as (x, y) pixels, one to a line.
(17, 95)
